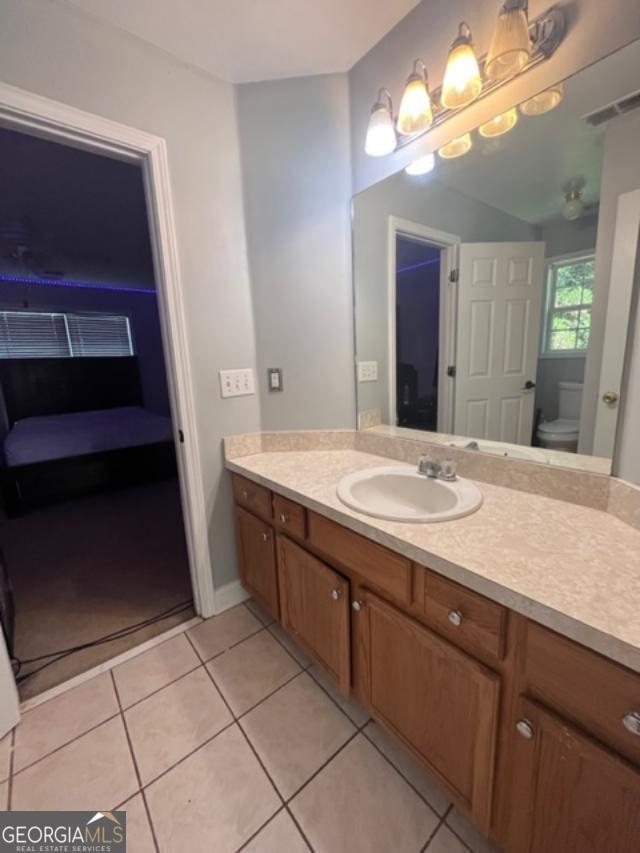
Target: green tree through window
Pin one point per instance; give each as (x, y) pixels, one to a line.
(569, 301)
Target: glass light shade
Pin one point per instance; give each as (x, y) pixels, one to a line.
(381, 135)
(462, 83)
(573, 207)
(510, 48)
(499, 125)
(415, 113)
(421, 166)
(456, 148)
(543, 102)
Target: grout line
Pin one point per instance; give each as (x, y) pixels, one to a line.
(452, 830)
(307, 666)
(66, 743)
(300, 829)
(158, 689)
(427, 843)
(269, 695)
(260, 828)
(336, 703)
(135, 762)
(248, 637)
(400, 773)
(205, 661)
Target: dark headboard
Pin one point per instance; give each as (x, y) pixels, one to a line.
(53, 386)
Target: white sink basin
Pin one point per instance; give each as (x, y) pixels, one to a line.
(401, 494)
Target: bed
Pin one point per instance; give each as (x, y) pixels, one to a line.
(72, 426)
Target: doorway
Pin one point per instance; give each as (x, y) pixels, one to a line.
(92, 533)
(417, 333)
(421, 306)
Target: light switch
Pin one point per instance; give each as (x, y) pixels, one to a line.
(237, 383)
(367, 371)
(274, 375)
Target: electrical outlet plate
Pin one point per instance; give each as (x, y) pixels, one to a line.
(237, 383)
(367, 371)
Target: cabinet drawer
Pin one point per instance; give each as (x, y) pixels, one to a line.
(379, 567)
(468, 619)
(593, 691)
(289, 516)
(253, 497)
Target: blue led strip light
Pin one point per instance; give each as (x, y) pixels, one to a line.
(86, 285)
(417, 266)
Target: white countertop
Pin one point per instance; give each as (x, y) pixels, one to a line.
(569, 567)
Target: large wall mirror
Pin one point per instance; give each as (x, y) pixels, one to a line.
(493, 292)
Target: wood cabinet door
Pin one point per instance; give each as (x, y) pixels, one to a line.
(437, 699)
(315, 609)
(569, 794)
(257, 560)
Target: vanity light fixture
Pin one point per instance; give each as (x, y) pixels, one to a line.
(543, 102)
(415, 113)
(517, 46)
(462, 82)
(421, 166)
(456, 148)
(499, 124)
(510, 48)
(381, 134)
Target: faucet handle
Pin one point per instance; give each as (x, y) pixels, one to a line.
(448, 470)
(428, 465)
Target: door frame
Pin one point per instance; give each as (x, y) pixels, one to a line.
(49, 119)
(625, 262)
(448, 245)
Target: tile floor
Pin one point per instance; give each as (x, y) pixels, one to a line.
(226, 738)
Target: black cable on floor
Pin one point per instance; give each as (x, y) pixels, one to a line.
(115, 635)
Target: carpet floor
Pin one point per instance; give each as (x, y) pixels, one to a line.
(89, 567)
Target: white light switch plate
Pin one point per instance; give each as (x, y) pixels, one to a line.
(367, 371)
(237, 383)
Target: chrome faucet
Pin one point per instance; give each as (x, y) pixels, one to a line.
(430, 467)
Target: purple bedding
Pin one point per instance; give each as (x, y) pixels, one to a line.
(58, 436)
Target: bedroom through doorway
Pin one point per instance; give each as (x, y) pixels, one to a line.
(93, 556)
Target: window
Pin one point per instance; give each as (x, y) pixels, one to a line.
(38, 334)
(569, 301)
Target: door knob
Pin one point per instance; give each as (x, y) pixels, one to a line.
(610, 397)
(357, 606)
(528, 385)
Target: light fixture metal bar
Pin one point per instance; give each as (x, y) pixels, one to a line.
(546, 32)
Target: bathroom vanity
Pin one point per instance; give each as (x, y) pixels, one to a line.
(484, 685)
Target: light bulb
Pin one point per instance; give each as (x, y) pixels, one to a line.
(421, 166)
(456, 148)
(543, 102)
(462, 83)
(573, 207)
(510, 48)
(415, 113)
(499, 125)
(381, 135)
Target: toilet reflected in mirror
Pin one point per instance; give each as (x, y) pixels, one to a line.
(563, 432)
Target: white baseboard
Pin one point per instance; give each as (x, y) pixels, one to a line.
(229, 595)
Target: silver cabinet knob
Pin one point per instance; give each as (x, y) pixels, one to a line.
(284, 517)
(455, 617)
(265, 536)
(525, 729)
(335, 594)
(357, 606)
(631, 722)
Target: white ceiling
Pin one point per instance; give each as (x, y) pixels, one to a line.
(249, 40)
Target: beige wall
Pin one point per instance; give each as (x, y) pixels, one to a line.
(47, 48)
